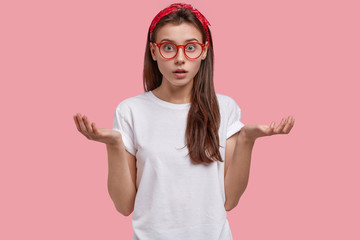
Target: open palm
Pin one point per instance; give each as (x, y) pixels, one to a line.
(91, 132)
(254, 131)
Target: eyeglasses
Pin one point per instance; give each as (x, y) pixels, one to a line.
(192, 50)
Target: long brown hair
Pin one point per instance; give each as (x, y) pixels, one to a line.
(203, 121)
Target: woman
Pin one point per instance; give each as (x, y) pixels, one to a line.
(178, 154)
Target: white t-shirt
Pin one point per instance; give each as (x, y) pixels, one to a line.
(175, 200)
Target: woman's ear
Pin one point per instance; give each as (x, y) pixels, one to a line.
(205, 50)
(152, 51)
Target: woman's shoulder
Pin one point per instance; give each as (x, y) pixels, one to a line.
(224, 99)
(227, 104)
(134, 100)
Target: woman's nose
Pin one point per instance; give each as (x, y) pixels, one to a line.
(180, 56)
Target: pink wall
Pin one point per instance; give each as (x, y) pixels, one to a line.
(275, 58)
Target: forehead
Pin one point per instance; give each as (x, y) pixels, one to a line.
(178, 33)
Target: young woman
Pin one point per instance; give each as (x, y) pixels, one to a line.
(177, 158)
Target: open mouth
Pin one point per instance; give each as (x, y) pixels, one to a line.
(180, 73)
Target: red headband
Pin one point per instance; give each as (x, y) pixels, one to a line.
(175, 6)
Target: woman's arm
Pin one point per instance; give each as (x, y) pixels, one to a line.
(121, 178)
(237, 174)
(122, 165)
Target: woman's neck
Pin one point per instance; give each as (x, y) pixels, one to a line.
(177, 95)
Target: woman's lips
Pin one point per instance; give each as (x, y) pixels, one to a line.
(180, 74)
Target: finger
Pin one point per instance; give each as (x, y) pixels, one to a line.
(293, 120)
(273, 126)
(96, 130)
(82, 125)
(270, 130)
(87, 125)
(288, 125)
(76, 122)
(281, 126)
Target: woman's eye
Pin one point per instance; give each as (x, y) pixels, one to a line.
(191, 47)
(168, 47)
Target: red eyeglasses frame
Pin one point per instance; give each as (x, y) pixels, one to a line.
(178, 47)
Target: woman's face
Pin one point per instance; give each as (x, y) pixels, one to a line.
(180, 35)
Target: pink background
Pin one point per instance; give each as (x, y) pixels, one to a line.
(275, 58)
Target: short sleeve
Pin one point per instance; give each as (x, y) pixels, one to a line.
(234, 116)
(123, 123)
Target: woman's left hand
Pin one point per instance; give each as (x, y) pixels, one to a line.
(253, 131)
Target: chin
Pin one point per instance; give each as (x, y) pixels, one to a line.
(180, 82)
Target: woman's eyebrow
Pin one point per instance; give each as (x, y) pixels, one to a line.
(189, 40)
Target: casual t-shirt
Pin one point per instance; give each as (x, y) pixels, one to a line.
(176, 199)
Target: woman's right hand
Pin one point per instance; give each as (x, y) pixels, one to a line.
(91, 132)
